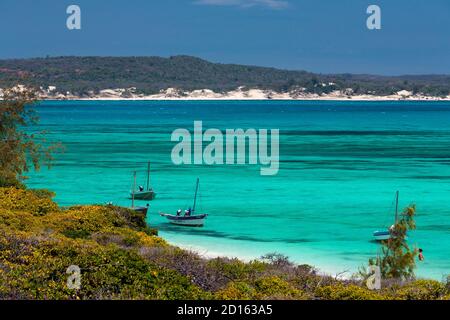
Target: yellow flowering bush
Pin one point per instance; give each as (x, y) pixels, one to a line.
(86, 219)
(236, 291)
(264, 288)
(235, 269)
(276, 288)
(36, 269)
(340, 291)
(24, 200)
(422, 290)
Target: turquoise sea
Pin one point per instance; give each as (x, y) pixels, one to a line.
(341, 163)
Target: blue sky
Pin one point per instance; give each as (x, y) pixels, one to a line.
(327, 36)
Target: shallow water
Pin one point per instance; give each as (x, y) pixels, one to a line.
(341, 163)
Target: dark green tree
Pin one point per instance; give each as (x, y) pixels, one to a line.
(20, 151)
(398, 258)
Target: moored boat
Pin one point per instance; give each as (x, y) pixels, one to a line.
(384, 235)
(192, 221)
(190, 218)
(145, 195)
(142, 210)
(139, 209)
(141, 193)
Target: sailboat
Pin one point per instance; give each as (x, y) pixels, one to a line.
(190, 218)
(384, 235)
(143, 210)
(147, 194)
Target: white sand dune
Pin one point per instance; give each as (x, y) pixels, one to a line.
(51, 93)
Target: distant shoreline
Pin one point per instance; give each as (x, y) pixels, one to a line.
(191, 78)
(322, 98)
(239, 94)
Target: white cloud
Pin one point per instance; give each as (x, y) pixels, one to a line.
(273, 4)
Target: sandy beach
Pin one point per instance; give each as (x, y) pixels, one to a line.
(172, 94)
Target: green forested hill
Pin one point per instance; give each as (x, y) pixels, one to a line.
(151, 74)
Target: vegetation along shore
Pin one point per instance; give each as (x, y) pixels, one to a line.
(191, 78)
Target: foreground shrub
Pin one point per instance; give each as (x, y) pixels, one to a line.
(235, 269)
(266, 288)
(37, 270)
(43, 193)
(340, 291)
(187, 263)
(236, 291)
(25, 200)
(422, 290)
(276, 288)
(102, 223)
(277, 259)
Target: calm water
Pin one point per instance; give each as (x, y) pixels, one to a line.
(341, 163)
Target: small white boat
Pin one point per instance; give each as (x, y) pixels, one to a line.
(190, 219)
(384, 235)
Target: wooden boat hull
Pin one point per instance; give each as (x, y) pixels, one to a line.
(144, 195)
(191, 221)
(143, 210)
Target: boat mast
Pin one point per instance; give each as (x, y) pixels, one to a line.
(148, 176)
(134, 189)
(195, 197)
(396, 206)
